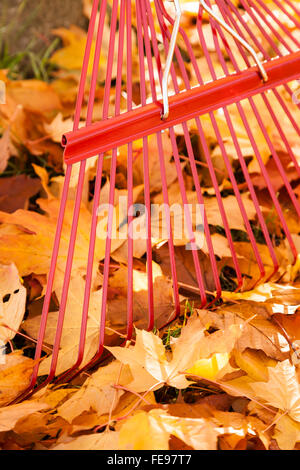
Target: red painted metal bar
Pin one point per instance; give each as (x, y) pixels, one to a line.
(129, 177)
(143, 121)
(271, 147)
(60, 220)
(199, 278)
(142, 45)
(164, 183)
(264, 31)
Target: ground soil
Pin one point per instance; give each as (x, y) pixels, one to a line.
(23, 21)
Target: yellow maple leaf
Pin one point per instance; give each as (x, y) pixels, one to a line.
(211, 367)
(148, 360)
(152, 431)
(71, 55)
(150, 366)
(282, 390)
(287, 433)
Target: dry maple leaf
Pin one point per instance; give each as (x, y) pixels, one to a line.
(148, 360)
(152, 431)
(287, 433)
(282, 390)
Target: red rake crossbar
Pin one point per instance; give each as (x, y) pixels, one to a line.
(146, 120)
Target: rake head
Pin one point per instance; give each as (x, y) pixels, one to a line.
(192, 188)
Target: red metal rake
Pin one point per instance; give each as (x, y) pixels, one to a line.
(257, 49)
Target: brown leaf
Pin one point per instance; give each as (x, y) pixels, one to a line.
(16, 191)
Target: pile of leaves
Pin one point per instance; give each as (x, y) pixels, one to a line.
(222, 378)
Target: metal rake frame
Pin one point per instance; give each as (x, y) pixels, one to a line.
(140, 122)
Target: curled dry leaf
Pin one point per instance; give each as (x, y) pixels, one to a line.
(98, 393)
(258, 331)
(12, 302)
(15, 375)
(10, 415)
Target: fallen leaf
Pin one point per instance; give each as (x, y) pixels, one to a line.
(4, 149)
(34, 95)
(282, 390)
(98, 393)
(149, 431)
(15, 376)
(254, 363)
(12, 303)
(10, 415)
(287, 433)
(16, 191)
(108, 440)
(150, 366)
(162, 296)
(71, 56)
(27, 238)
(259, 333)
